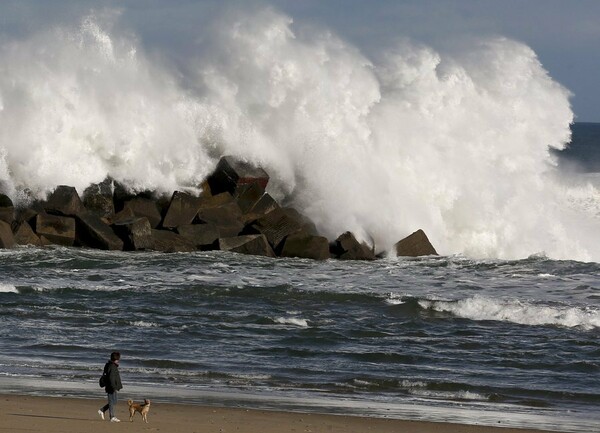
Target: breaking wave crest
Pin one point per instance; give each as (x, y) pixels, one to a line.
(7, 288)
(515, 311)
(457, 144)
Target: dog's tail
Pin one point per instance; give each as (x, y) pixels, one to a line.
(129, 402)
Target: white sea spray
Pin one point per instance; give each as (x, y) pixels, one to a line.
(379, 144)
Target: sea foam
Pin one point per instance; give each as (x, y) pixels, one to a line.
(515, 311)
(405, 138)
(294, 321)
(8, 288)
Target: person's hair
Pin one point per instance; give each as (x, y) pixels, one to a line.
(115, 356)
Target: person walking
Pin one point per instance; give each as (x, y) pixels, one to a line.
(112, 384)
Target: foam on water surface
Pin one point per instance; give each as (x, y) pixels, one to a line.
(521, 312)
(8, 288)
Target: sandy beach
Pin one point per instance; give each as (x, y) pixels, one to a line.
(65, 415)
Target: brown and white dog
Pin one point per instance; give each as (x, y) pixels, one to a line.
(143, 409)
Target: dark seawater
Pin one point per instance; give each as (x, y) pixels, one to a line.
(512, 343)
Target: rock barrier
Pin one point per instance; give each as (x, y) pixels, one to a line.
(233, 213)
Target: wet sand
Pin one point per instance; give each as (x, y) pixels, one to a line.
(67, 415)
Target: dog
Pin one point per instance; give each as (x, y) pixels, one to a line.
(143, 409)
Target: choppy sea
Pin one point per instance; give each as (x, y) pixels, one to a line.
(460, 137)
(511, 343)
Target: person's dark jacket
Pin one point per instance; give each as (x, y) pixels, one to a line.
(113, 378)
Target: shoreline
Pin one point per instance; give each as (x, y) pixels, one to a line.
(66, 414)
(469, 416)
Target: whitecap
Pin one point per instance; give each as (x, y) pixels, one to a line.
(8, 288)
(361, 382)
(144, 324)
(394, 299)
(295, 321)
(412, 384)
(449, 395)
(516, 311)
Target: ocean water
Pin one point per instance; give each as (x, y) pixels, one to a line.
(472, 144)
(513, 343)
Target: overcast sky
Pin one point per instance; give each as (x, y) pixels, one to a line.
(565, 34)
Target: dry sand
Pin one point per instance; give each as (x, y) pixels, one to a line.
(65, 415)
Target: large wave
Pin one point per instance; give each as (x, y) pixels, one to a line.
(381, 144)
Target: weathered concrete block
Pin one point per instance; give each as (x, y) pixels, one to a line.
(231, 173)
(45, 241)
(262, 207)
(144, 207)
(223, 212)
(205, 189)
(7, 210)
(5, 201)
(123, 215)
(98, 198)
(280, 223)
(28, 214)
(216, 200)
(7, 239)
(256, 245)
(306, 246)
(169, 242)
(7, 214)
(64, 201)
(56, 229)
(182, 210)
(248, 195)
(346, 247)
(24, 235)
(136, 233)
(254, 202)
(417, 244)
(121, 194)
(203, 236)
(94, 233)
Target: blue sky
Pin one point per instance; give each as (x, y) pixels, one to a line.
(565, 34)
